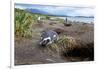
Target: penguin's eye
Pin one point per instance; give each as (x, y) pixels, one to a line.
(48, 40)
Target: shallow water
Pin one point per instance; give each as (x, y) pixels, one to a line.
(81, 19)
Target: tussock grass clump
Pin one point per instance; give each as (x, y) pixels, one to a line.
(23, 23)
(64, 43)
(67, 42)
(70, 47)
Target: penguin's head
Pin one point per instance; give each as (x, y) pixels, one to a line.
(45, 41)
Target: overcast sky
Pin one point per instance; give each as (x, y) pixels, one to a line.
(59, 10)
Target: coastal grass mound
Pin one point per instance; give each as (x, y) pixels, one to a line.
(23, 23)
(64, 43)
(70, 47)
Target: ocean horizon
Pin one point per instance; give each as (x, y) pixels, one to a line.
(80, 19)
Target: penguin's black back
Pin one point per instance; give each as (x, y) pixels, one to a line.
(49, 33)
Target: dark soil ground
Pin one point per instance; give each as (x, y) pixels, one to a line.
(27, 50)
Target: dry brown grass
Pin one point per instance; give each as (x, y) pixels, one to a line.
(63, 44)
(70, 46)
(67, 42)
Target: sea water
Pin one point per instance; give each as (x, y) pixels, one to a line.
(81, 19)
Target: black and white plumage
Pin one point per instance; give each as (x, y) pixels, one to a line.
(48, 37)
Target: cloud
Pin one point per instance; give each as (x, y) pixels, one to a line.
(84, 12)
(20, 7)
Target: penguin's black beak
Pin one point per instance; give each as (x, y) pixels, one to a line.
(43, 43)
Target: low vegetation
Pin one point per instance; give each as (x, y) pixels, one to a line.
(70, 47)
(23, 23)
(64, 43)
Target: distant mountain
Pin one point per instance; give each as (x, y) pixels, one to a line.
(36, 11)
(52, 14)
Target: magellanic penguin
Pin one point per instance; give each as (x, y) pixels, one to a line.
(48, 37)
